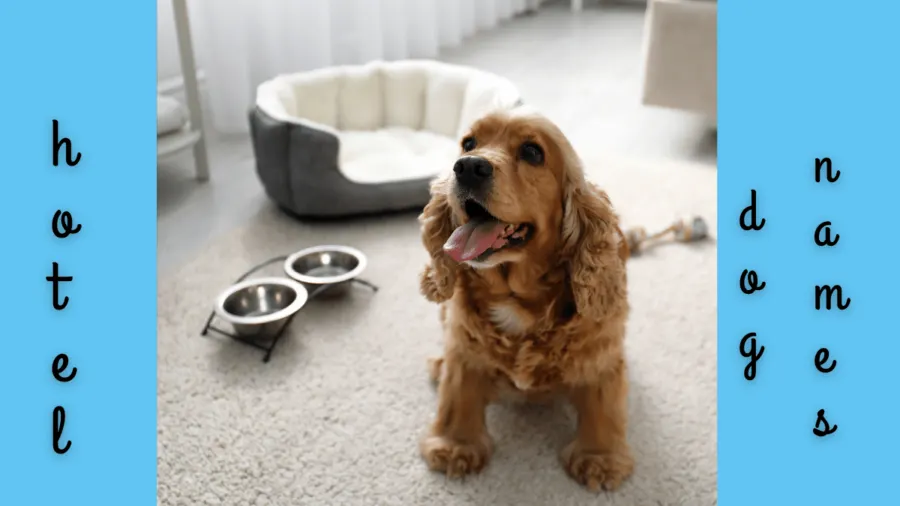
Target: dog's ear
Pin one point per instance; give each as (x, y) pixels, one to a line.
(593, 250)
(439, 277)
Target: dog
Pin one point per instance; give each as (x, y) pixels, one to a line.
(527, 261)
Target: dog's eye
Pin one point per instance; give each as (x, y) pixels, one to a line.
(468, 144)
(530, 152)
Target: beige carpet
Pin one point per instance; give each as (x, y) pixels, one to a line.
(334, 417)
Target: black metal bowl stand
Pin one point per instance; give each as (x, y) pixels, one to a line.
(267, 345)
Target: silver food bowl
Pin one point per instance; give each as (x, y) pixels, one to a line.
(325, 269)
(258, 307)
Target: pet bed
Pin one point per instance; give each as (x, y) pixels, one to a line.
(369, 138)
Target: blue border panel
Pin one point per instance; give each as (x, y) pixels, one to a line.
(798, 81)
(91, 66)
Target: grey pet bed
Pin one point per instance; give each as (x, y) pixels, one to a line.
(363, 139)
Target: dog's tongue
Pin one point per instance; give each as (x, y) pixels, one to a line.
(472, 239)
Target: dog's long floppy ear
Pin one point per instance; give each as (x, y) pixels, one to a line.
(439, 277)
(593, 250)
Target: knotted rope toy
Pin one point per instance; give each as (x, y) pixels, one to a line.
(684, 230)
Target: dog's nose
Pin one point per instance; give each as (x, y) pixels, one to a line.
(472, 171)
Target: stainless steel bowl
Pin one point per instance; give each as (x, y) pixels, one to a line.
(259, 307)
(326, 268)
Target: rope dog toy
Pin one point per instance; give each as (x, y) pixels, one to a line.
(684, 230)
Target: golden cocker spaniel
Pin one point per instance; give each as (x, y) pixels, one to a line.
(528, 264)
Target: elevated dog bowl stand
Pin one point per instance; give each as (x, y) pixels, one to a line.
(268, 347)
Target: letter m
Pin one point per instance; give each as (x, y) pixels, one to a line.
(831, 292)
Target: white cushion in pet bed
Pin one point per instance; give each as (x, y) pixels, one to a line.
(394, 154)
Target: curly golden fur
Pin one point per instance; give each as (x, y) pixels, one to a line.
(542, 319)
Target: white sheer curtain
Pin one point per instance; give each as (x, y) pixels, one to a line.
(245, 42)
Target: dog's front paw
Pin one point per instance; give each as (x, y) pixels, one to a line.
(454, 458)
(434, 286)
(597, 470)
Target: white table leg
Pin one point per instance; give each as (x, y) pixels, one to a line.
(201, 160)
(577, 5)
(191, 88)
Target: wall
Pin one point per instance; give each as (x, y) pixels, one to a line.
(168, 63)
